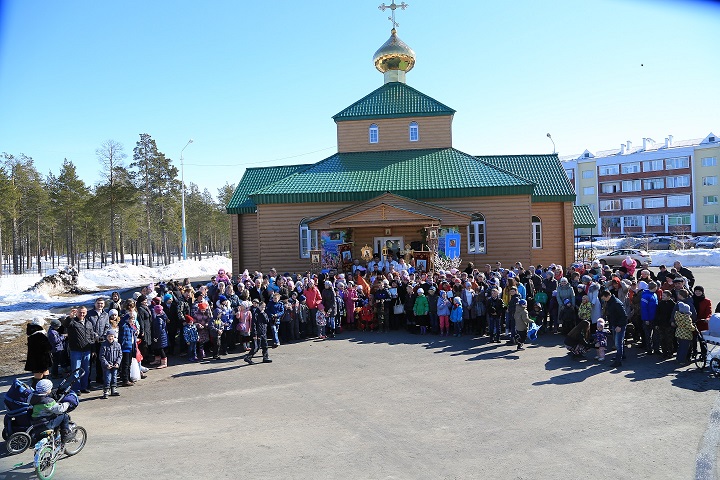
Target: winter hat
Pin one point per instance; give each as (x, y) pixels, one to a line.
(141, 298)
(457, 300)
(563, 281)
(302, 298)
(222, 298)
(642, 285)
(601, 321)
(510, 275)
(203, 305)
(167, 297)
(420, 291)
(522, 301)
(189, 319)
(38, 321)
(44, 386)
(55, 323)
(112, 312)
(652, 286)
(136, 295)
(158, 309)
(156, 300)
(683, 307)
(111, 332)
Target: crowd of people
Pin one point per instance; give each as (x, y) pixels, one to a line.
(116, 342)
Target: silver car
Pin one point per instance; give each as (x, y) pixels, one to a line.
(709, 242)
(616, 257)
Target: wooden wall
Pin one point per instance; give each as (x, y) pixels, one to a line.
(235, 242)
(273, 240)
(393, 134)
(557, 233)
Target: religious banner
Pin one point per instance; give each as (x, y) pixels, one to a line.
(329, 241)
(422, 260)
(452, 245)
(345, 252)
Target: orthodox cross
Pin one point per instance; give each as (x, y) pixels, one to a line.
(393, 6)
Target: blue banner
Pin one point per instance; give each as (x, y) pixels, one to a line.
(452, 245)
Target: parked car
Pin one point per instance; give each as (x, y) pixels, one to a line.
(658, 243)
(616, 257)
(711, 241)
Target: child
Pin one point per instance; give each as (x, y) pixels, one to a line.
(494, 308)
(510, 327)
(110, 357)
(585, 309)
(321, 321)
(244, 324)
(536, 314)
(600, 337)
(443, 312)
(522, 323)
(114, 319)
(190, 334)
(58, 347)
(684, 332)
(421, 310)
(456, 316)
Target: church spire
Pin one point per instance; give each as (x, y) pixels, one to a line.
(394, 58)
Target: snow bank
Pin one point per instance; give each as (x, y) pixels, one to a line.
(18, 305)
(692, 257)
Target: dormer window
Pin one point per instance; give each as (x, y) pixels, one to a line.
(414, 135)
(373, 133)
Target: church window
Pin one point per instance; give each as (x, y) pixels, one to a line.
(536, 232)
(476, 234)
(373, 133)
(308, 239)
(414, 135)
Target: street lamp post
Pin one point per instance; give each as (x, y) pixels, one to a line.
(182, 180)
(548, 135)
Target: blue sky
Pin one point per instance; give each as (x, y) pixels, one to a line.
(256, 83)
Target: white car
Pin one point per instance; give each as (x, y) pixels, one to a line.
(616, 257)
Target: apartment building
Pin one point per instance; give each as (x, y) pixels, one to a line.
(655, 187)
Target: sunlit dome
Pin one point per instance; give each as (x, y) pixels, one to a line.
(394, 55)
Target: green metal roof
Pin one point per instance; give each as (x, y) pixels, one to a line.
(545, 171)
(418, 174)
(255, 179)
(583, 217)
(392, 100)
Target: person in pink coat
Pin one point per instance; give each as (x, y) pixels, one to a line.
(630, 265)
(349, 296)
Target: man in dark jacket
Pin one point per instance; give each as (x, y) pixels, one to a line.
(101, 322)
(81, 340)
(616, 317)
(258, 333)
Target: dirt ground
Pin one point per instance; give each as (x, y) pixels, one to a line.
(12, 355)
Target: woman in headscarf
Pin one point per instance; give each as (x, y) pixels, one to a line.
(630, 265)
(39, 351)
(703, 307)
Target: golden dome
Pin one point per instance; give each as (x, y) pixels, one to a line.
(394, 55)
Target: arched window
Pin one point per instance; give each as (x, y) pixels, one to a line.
(373, 133)
(308, 239)
(536, 232)
(476, 234)
(414, 134)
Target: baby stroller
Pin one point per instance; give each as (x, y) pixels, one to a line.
(17, 424)
(18, 430)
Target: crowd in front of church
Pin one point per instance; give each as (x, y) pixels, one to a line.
(590, 305)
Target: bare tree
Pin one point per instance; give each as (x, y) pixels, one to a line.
(111, 155)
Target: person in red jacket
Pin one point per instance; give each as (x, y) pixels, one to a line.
(313, 299)
(703, 307)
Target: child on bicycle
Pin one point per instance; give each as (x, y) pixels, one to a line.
(48, 413)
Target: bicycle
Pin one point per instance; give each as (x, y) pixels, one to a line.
(50, 447)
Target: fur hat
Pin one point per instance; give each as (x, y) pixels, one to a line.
(683, 307)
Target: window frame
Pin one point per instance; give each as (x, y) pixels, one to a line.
(588, 191)
(634, 200)
(477, 245)
(414, 128)
(714, 217)
(625, 167)
(673, 179)
(652, 181)
(632, 182)
(649, 223)
(617, 187)
(677, 197)
(536, 237)
(607, 170)
(710, 180)
(308, 237)
(373, 133)
(588, 174)
(650, 199)
(710, 200)
(708, 161)
(671, 163)
(659, 163)
(613, 203)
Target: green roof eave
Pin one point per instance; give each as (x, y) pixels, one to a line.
(394, 115)
(360, 196)
(583, 217)
(553, 198)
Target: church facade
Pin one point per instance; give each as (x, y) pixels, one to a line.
(394, 175)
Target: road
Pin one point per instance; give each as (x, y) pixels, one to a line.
(401, 406)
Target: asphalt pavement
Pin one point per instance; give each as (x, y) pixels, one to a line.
(403, 406)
